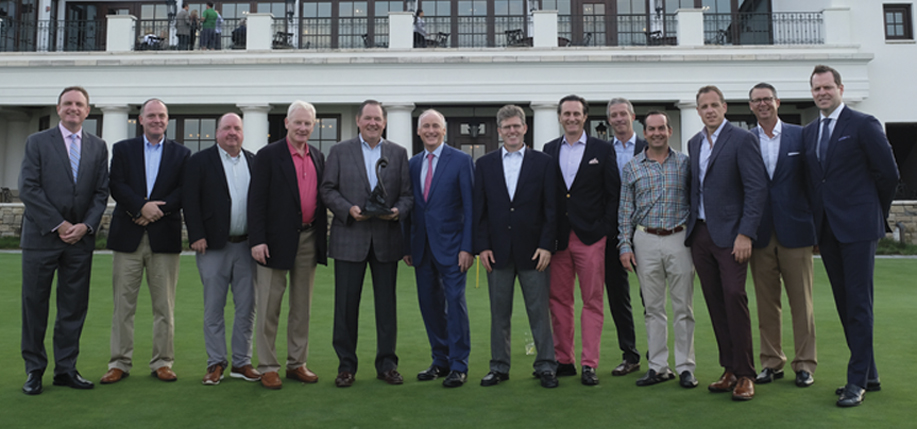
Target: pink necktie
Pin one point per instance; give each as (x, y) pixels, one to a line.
(429, 180)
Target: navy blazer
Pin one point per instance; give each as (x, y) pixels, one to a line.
(514, 229)
(787, 211)
(206, 202)
(855, 185)
(128, 188)
(274, 208)
(590, 206)
(735, 187)
(446, 219)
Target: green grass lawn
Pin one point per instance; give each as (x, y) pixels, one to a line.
(142, 401)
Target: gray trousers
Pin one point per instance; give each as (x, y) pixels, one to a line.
(231, 266)
(535, 289)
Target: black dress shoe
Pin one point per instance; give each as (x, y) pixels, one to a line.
(652, 377)
(589, 377)
(74, 380)
(769, 375)
(455, 379)
(432, 373)
(851, 396)
(548, 379)
(687, 380)
(566, 369)
(625, 368)
(804, 379)
(494, 378)
(32, 384)
(871, 386)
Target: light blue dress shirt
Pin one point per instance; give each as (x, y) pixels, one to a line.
(370, 158)
(624, 151)
(512, 166)
(570, 158)
(237, 180)
(152, 156)
(423, 169)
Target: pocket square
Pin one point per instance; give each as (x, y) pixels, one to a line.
(792, 153)
(593, 161)
(843, 138)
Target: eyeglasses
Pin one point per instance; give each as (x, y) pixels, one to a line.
(765, 100)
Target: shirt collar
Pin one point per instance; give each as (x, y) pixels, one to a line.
(777, 129)
(151, 145)
(295, 152)
(505, 152)
(366, 144)
(436, 152)
(582, 139)
(716, 134)
(66, 133)
(632, 141)
(224, 154)
(835, 114)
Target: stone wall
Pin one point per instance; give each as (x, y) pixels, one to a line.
(905, 213)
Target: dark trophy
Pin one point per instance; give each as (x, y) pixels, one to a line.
(375, 205)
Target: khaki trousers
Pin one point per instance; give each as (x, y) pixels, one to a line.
(794, 265)
(270, 285)
(127, 276)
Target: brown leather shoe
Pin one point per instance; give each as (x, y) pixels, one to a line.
(625, 368)
(214, 375)
(302, 374)
(391, 377)
(725, 384)
(164, 373)
(744, 390)
(247, 373)
(271, 380)
(114, 375)
(344, 379)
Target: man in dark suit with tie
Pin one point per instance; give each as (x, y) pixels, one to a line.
(783, 248)
(359, 238)
(621, 117)
(515, 227)
(63, 184)
(146, 180)
(852, 179)
(728, 193)
(587, 211)
(215, 200)
(438, 244)
(287, 225)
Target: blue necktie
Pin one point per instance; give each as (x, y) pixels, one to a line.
(74, 156)
(823, 141)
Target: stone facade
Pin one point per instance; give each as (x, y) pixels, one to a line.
(905, 214)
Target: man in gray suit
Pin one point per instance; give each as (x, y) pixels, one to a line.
(358, 238)
(63, 184)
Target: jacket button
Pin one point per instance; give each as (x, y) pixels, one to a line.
(568, 195)
(509, 227)
(512, 209)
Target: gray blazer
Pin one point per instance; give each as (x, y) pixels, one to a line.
(345, 184)
(47, 189)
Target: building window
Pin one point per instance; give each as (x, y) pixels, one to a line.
(326, 132)
(898, 22)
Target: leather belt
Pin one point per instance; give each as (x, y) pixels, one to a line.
(306, 226)
(662, 232)
(238, 238)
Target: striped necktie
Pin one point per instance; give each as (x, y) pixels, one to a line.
(74, 156)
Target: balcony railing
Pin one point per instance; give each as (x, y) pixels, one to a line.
(622, 30)
(343, 33)
(50, 36)
(783, 28)
(160, 35)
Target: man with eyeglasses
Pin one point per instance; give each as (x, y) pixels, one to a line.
(783, 248)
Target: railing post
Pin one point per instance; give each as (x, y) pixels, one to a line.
(838, 26)
(120, 35)
(690, 27)
(401, 31)
(545, 29)
(258, 35)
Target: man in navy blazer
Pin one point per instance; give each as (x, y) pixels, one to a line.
(215, 200)
(438, 244)
(588, 185)
(852, 179)
(783, 247)
(287, 229)
(728, 192)
(621, 117)
(515, 227)
(146, 184)
(63, 184)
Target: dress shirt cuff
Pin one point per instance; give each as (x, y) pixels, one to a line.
(625, 247)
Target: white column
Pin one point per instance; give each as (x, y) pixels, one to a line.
(399, 125)
(120, 33)
(400, 30)
(691, 124)
(838, 26)
(259, 35)
(17, 130)
(44, 34)
(545, 29)
(255, 125)
(114, 123)
(690, 27)
(545, 123)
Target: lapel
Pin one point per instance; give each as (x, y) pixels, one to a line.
(694, 155)
(639, 145)
(139, 173)
(163, 162)
(809, 143)
(843, 120)
(288, 170)
(357, 151)
(60, 149)
(440, 167)
(218, 166)
(501, 174)
(588, 155)
(721, 141)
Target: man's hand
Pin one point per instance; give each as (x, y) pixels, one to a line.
(465, 260)
(261, 254)
(62, 230)
(543, 257)
(408, 260)
(355, 213)
(150, 211)
(742, 248)
(74, 233)
(487, 258)
(628, 261)
(200, 246)
(393, 216)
